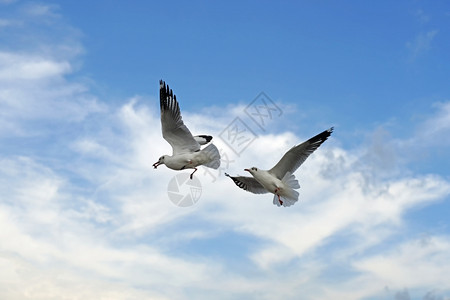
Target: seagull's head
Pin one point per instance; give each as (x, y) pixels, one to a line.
(159, 162)
(252, 170)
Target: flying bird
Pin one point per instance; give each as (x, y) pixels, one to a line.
(186, 152)
(280, 180)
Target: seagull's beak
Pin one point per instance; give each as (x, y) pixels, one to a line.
(247, 170)
(156, 164)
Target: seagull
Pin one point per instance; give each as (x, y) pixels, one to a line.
(186, 152)
(280, 180)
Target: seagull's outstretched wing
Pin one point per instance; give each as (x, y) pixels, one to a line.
(249, 184)
(173, 129)
(292, 159)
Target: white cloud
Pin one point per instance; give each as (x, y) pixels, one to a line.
(124, 201)
(345, 201)
(44, 228)
(418, 264)
(84, 215)
(22, 67)
(33, 71)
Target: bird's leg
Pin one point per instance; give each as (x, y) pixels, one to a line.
(195, 170)
(279, 199)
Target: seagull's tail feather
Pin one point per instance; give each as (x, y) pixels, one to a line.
(213, 156)
(288, 195)
(203, 139)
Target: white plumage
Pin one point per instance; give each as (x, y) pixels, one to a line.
(186, 152)
(280, 180)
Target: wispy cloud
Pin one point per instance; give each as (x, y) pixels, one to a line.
(427, 139)
(7, 1)
(421, 43)
(436, 127)
(41, 11)
(422, 16)
(33, 84)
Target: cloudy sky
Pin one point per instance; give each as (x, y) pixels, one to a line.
(84, 216)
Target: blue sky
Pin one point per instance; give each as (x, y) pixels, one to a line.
(84, 215)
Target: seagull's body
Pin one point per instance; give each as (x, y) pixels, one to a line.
(186, 152)
(280, 180)
(186, 161)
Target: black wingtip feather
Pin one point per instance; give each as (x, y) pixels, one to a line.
(168, 100)
(208, 138)
(237, 182)
(321, 137)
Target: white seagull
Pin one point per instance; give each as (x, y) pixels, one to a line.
(280, 180)
(186, 152)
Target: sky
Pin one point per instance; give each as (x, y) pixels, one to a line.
(85, 216)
